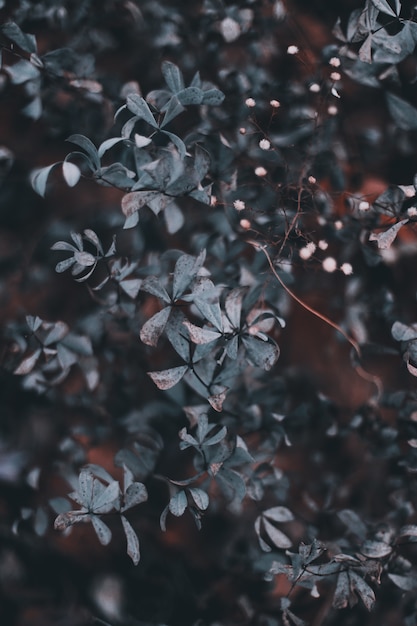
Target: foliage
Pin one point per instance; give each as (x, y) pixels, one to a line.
(210, 203)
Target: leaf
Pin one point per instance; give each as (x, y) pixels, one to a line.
(200, 498)
(278, 538)
(233, 306)
(384, 7)
(71, 173)
(403, 113)
(135, 494)
(34, 109)
(174, 218)
(178, 503)
(186, 269)
(87, 145)
(178, 143)
(25, 41)
(131, 286)
(141, 141)
(166, 379)
(190, 96)
(134, 201)
(342, 591)
(402, 332)
(365, 51)
(213, 97)
(153, 286)
(85, 487)
(173, 109)
(28, 363)
(261, 353)
(154, 327)
(57, 332)
(409, 530)
(173, 76)
(387, 237)
(406, 583)
(33, 322)
(231, 483)
(109, 143)
(105, 501)
(139, 107)
(353, 522)
(365, 592)
(22, 71)
(216, 400)
(132, 541)
(201, 335)
(375, 549)
(39, 179)
(278, 514)
(103, 532)
(264, 546)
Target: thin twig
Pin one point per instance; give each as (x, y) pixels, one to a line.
(358, 368)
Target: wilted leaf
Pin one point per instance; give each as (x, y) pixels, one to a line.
(201, 335)
(386, 238)
(166, 379)
(28, 363)
(216, 400)
(154, 327)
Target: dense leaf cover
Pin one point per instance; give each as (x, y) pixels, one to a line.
(209, 343)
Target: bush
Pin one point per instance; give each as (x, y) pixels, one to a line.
(215, 383)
